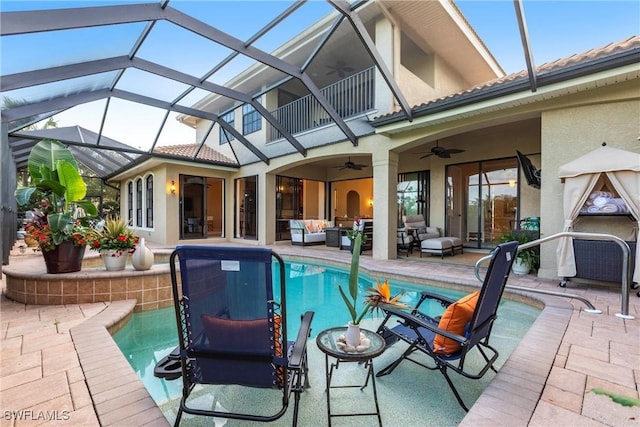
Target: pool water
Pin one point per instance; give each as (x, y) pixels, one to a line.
(151, 335)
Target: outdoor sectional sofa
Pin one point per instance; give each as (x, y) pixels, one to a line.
(308, 231)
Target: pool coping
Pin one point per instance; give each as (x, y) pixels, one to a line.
(510, 398)
(117, 392)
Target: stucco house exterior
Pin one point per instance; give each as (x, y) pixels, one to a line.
(462, 101)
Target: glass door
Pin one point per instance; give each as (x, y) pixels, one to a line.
(246, 197)
(192, 204)
(482, 201)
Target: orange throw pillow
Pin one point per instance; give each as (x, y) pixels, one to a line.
(454, 320)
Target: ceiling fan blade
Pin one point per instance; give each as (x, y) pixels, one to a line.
(427, 155)
(453, 151)
(444, 155)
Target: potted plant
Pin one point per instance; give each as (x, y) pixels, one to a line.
(376, 296)
(115, 240)
(526, 259)
(61, 218)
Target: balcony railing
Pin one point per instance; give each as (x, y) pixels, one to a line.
(349, 97)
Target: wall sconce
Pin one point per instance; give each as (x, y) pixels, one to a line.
(370, 203)
(172, 187)
(512, 183)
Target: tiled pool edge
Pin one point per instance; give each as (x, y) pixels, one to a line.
(115, 389)
(513, 394)
(511, 397)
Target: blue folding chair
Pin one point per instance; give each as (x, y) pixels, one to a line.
(231, 328)
(419, 330)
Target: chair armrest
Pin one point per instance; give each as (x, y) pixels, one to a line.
(415, 321)
(444, 301)
(299, 347)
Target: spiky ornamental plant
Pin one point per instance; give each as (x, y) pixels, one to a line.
(352, 300)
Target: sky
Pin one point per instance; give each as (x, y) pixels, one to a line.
(556, 29)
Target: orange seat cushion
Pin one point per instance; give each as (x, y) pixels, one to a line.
(454, 320)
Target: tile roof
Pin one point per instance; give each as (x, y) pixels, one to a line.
(189, 150)
(584, 58)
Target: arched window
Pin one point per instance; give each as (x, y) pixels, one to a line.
(139, 202)
(130, 202)
(149, 201)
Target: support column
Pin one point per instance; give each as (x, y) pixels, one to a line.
(267, 197)
(385, 184)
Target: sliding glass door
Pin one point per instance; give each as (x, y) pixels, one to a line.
(201, 207)
(481, 201)
(246, 203)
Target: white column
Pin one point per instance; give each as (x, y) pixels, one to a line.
(385, 183)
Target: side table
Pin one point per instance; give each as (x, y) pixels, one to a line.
(333, 236)
(326, 341)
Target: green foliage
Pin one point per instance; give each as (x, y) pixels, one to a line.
(58, 191)
(54, 176)
(530, 256)
(618, 398)
(352, 299)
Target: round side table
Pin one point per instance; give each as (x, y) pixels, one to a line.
(326, 341)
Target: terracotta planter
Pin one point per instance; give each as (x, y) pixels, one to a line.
(65, 258)
(114, 260)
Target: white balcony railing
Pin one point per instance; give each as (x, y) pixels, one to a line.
(349, 97)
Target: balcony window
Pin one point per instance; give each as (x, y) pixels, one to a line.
(224, 135)
(251, 119)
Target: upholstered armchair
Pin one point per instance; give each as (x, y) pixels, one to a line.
(419, 227)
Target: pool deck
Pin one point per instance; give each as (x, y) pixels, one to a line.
(58, 363)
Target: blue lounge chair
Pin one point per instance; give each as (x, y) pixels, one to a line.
(232, 322)
(448, 349)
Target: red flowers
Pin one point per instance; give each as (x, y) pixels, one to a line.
(115, 235)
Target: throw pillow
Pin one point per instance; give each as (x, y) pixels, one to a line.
(236, 336)
(454, 320)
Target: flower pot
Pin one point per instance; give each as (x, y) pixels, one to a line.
(114, 260)
(30, 241)
(520, 267)
(142, 258)
(353, 335)
(65, 258)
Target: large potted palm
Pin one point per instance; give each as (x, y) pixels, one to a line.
(61, 220)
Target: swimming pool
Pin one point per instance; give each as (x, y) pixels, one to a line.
(150, 335)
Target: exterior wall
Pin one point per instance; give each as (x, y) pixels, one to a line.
(161, 195)
(611, 116)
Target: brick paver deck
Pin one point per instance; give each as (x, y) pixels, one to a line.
(59, 365)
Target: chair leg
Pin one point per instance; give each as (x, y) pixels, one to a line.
(178, 416)
(296, 401)
(443, 370)
(389, 368)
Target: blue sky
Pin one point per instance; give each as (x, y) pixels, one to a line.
(557, 29)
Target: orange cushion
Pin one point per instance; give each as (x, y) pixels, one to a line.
(454, 320)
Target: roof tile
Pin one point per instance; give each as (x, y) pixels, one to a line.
(189, 150)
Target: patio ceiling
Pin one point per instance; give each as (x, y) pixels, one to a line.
(103, 62)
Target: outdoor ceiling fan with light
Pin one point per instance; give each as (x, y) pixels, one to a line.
(442, 152)
(341, 68)
(351, 165)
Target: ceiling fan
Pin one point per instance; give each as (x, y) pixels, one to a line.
(442, 152)
(341, 68)
(351, 165)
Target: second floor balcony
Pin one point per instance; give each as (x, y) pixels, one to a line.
(349, 97)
